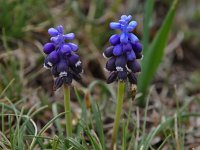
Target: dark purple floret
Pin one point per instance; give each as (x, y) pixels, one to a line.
(110, 65)
(54, 71)
(61, 57)
(68, 79)
(122, 75)
(132, 78)
(137, 47)
(58, 83)
(62, 67)
(124, 52)
(112, 77)
(138, 55)
(134, 66)
(108, 52)
(76, 76)
(74, 60)
(77, 69)
(47, 64)
(121, 61)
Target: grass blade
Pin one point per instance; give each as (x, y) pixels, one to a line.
(45, 128)
(168, 122)
(99, 125)
(57, 121)
(100, 8)
(155, 53)
(75, 144)
(149, 5)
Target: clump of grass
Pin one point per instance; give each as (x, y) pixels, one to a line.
(9, 73)
(15, 15)
(19, 129)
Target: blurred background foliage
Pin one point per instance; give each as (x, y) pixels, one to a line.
(173, 81)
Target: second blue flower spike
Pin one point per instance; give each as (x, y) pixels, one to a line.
(124, 52)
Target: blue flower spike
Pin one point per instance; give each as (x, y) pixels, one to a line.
(61, 59)
(124, 52)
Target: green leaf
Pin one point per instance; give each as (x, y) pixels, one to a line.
(99, 125)
(99, 8)
(75, 144)
(82, 104)
(149, 5)
(94, 141)
(154, 54)
(57, 121)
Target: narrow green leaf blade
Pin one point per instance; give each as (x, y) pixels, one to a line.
(100, 8)
(76, 145)
(99, 125)
(155, 53)
(149, 5)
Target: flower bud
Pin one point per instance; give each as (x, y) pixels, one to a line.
(134, 66)
(138, 55)
(58, 83)
(127, 47)
(108, 52)
(47, 64)
(130, 55)
(122, 75)
(114, 39)
(65, 49)
(69, 36)
(115, 25)
(62, 66)
(73, 46)
(60, 29)
(121, 61)
(117, 50)
(73, 59)
(112, 77)
(137, 47)
(76, 76)
(123, 38)
(53, 57)
(131, 26)
(132, 78)
(54, 71)
(133, 38)
(68, 79)
(48, 48)
(53, 32)
(110, 65)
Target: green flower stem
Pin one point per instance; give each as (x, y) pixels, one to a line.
(66, 90)
(120, 97)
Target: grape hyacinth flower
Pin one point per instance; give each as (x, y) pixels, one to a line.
(124, 52)
(62, 59)
(65, 65)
